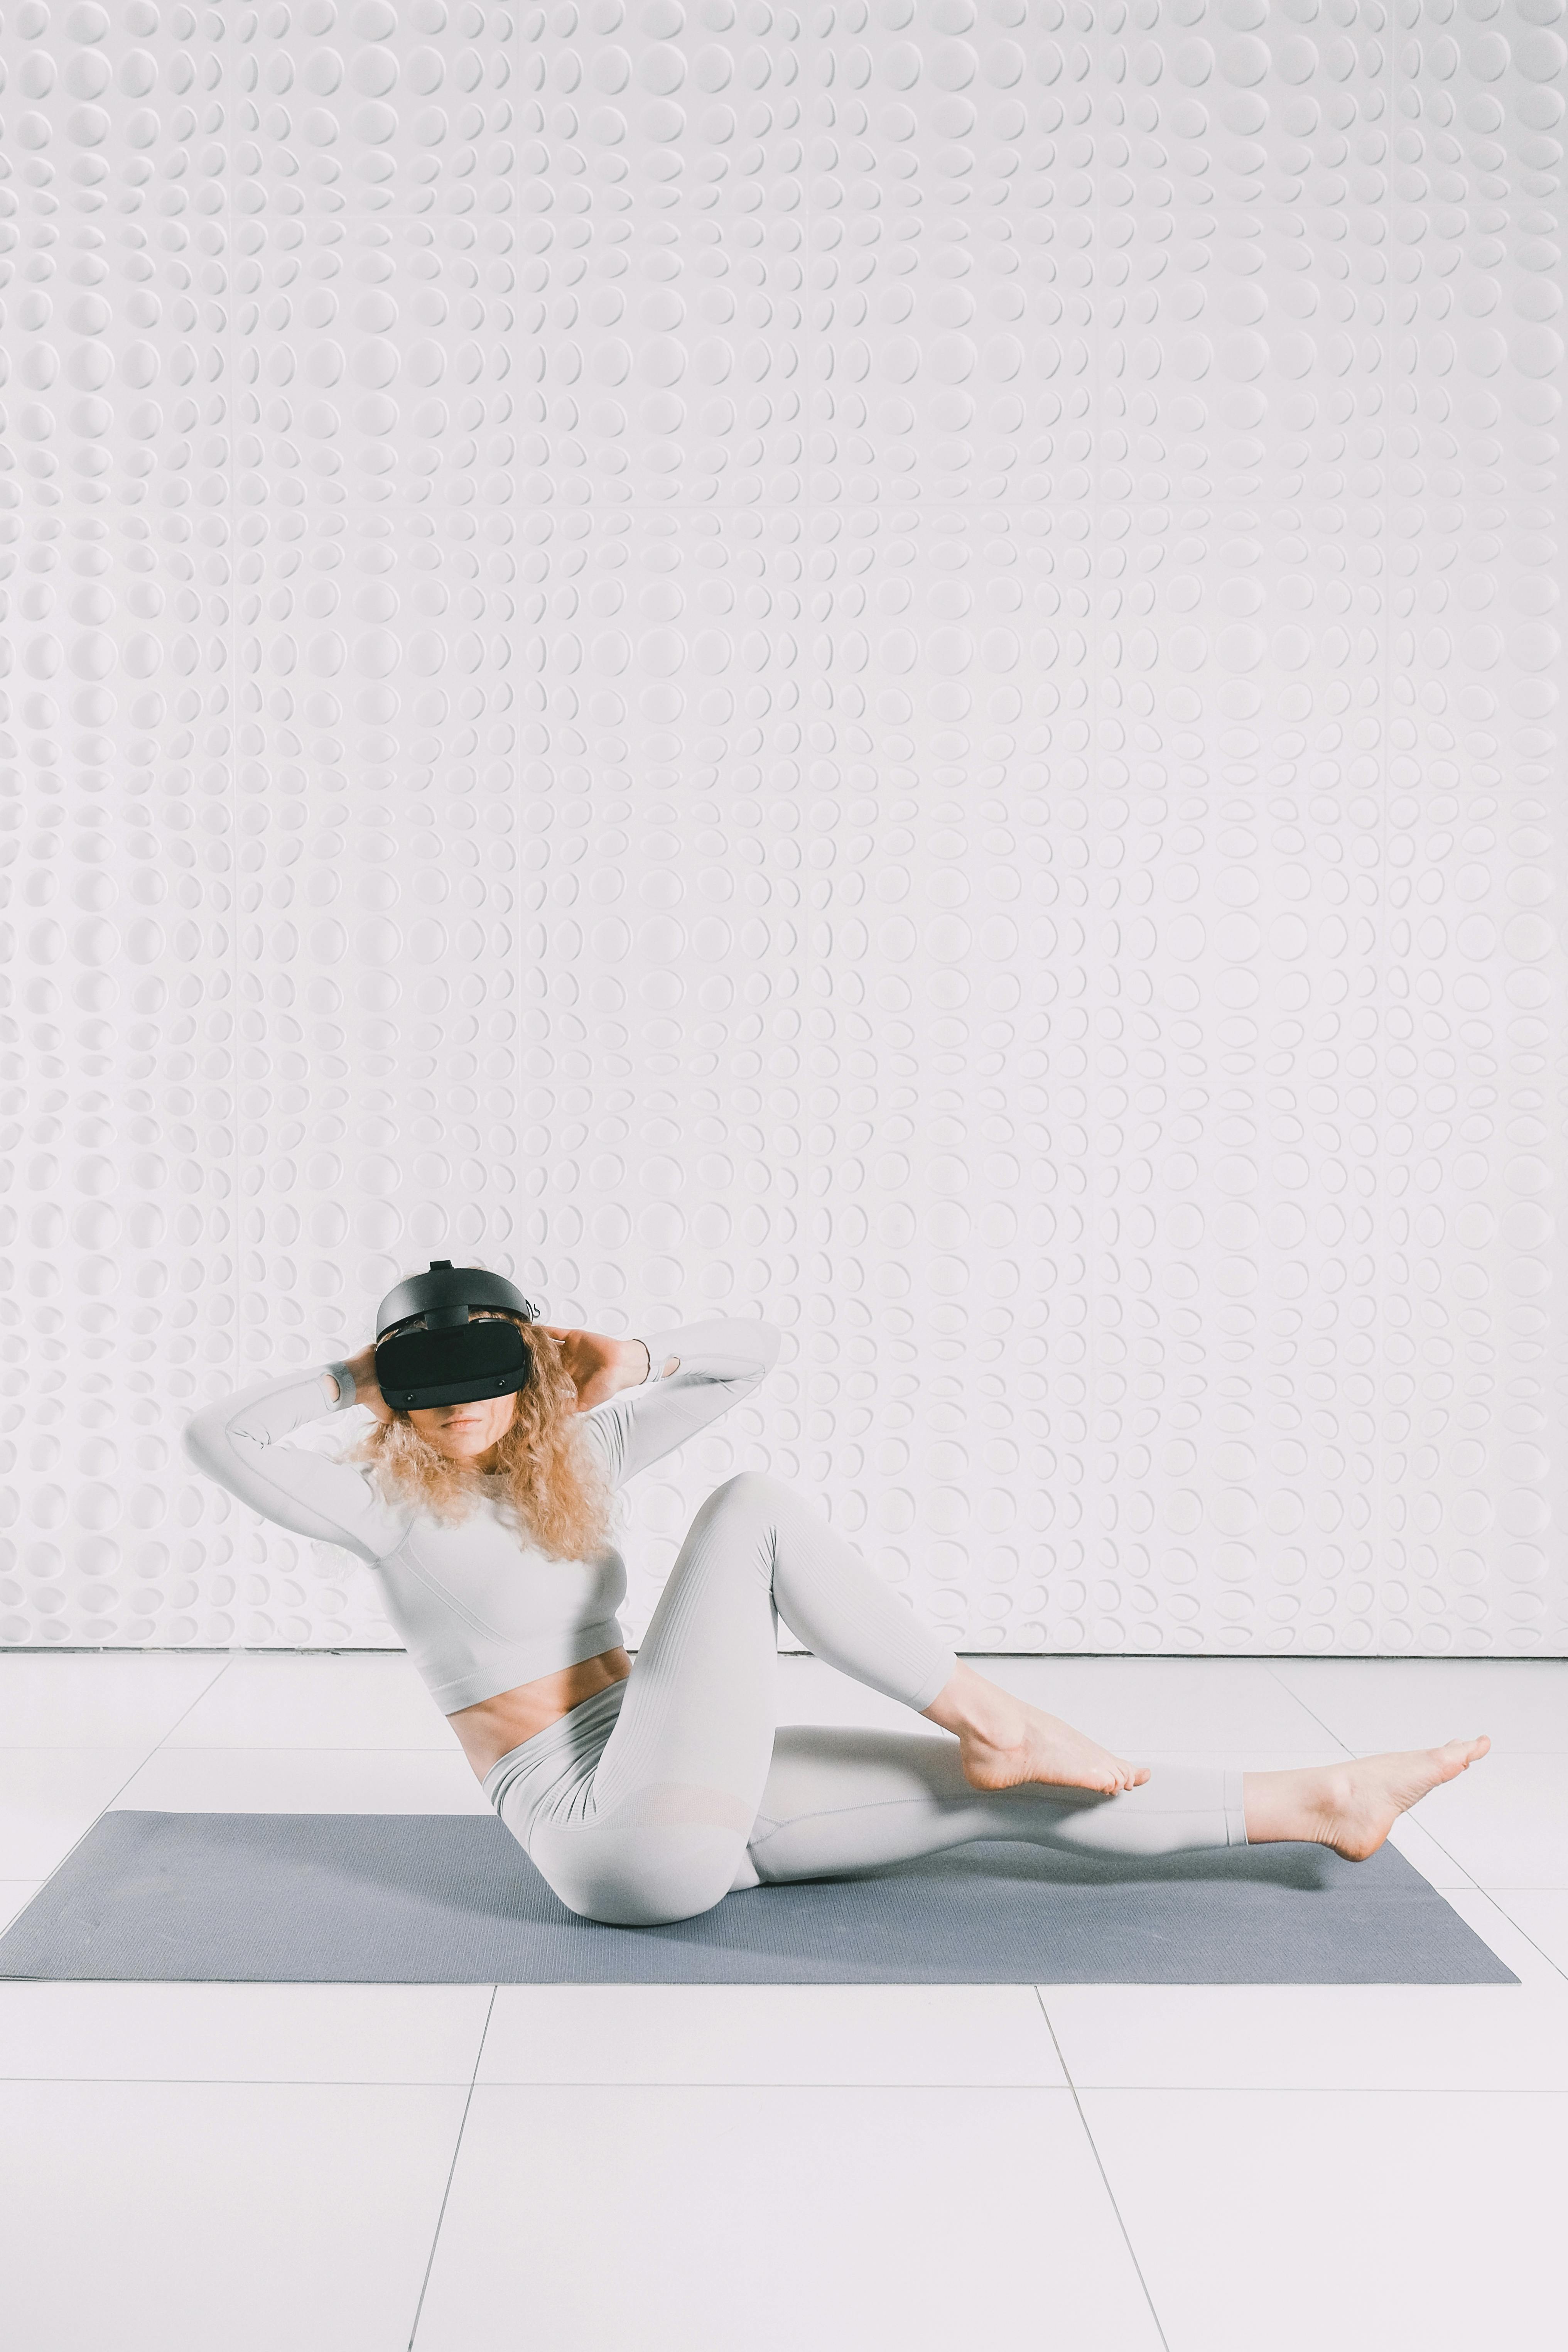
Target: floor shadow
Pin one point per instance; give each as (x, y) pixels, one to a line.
(476, 1866)
(1305, 1866)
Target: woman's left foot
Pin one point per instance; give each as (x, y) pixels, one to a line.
(1351, 1807)
(1035, 1746)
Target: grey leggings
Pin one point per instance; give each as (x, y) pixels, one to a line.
(654, 1800)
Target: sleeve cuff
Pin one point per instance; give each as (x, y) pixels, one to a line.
(652, 1372)
(660, 1346)
(347, 1388)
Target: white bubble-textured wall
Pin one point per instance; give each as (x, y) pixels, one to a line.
(894, 665)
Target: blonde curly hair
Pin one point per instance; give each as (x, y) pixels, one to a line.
(544, 1473)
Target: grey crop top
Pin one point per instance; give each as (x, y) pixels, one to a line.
(479, 1609)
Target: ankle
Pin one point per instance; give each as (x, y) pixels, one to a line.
(1302, 1807)
(974, 1708)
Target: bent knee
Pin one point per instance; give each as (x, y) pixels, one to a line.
(643, 1876)
(751, 1489)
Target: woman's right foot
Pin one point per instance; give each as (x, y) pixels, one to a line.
(1038, 1747)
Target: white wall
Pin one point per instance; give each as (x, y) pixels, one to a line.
(898, 670)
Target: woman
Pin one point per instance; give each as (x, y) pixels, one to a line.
(645, 1791)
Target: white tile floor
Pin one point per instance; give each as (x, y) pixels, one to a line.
(1102, 2168)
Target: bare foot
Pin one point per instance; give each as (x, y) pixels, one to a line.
(1041, 1747)
(1351, 1807)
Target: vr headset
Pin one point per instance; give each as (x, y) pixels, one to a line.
(452, 1359)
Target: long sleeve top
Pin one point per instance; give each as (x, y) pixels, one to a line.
(480, 1609)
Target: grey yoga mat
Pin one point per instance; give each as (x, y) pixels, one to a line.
(423, 1898)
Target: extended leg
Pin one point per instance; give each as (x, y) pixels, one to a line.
(840, 1800)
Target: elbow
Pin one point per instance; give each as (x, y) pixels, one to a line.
(204, 1443)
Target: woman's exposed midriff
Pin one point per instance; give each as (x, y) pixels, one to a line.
(493, 1727)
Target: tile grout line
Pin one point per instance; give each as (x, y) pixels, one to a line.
(206, 1687)
(119, 1791)
(300, 1748)
(452, 2168)
(1281, 1683)
(599, 2082)
(1100, 2166)
(1491, 1894)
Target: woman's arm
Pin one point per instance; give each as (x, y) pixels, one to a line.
(601, 1368)
(697, 1372)
(238, 1441)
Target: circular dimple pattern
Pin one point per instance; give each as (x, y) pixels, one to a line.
(899, 667)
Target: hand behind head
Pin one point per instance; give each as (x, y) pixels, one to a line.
(367, 1388)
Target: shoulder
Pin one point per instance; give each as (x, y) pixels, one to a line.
(599, 1431)
(389, 1509)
